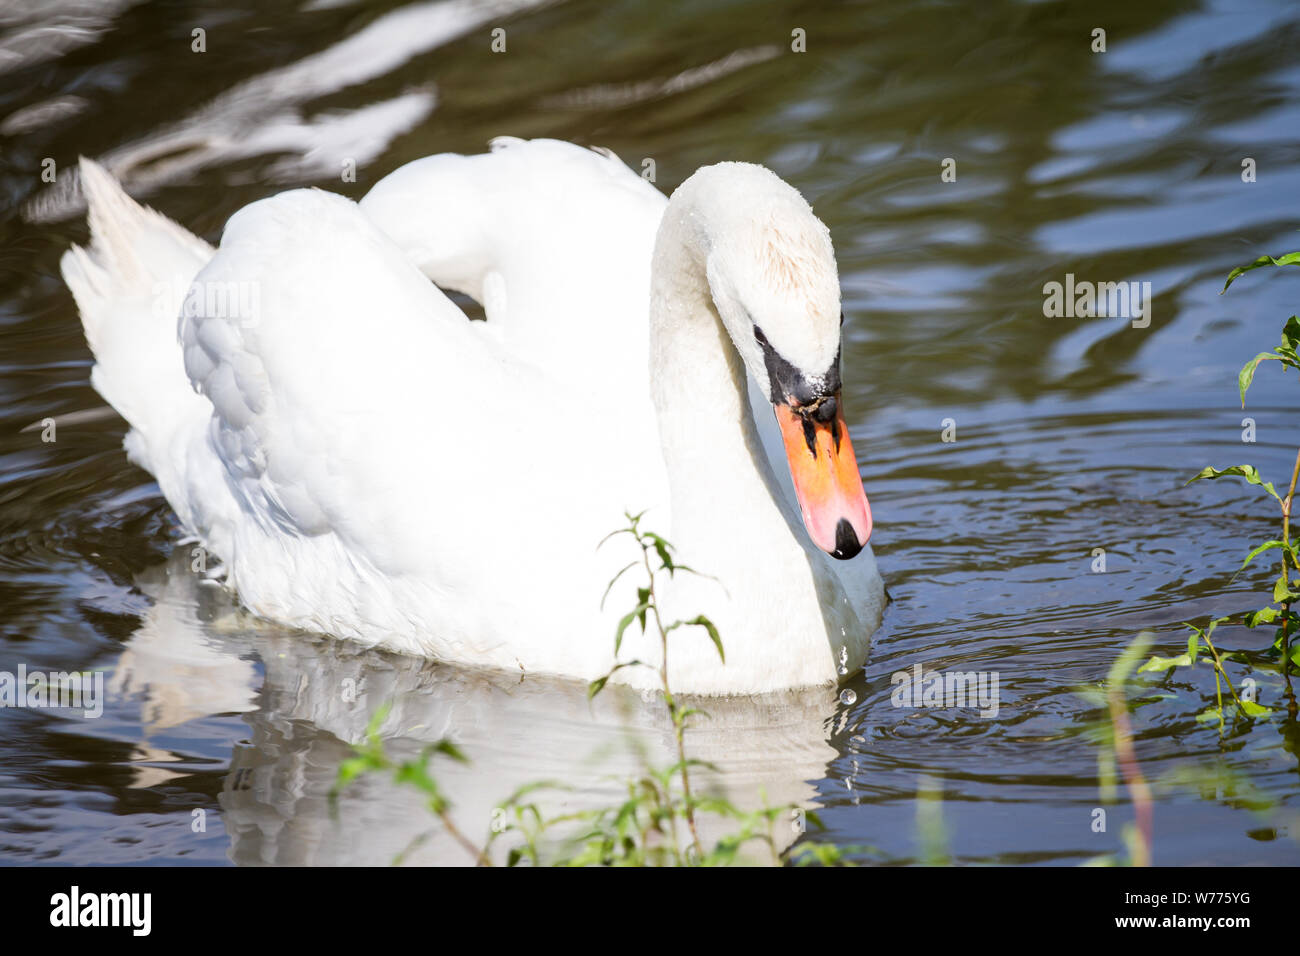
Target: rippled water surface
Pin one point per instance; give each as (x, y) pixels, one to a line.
(1071, 434)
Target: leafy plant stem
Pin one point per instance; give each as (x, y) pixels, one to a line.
(1219, 670)
(478, 853)
(679, 722)
(1286, 607)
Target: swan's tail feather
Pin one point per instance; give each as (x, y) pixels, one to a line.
(130, 283)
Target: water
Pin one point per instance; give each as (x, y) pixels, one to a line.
(1071, 434)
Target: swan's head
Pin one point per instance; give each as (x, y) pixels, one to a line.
(771, 272)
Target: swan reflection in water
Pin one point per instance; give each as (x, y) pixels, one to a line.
(193, 656)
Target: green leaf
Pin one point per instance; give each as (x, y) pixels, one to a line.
(1247, 373)
(350, 769)
(1281, 592)
(1194, 644)
(704, 622)
(626, 622)
(615, 534)
(1290, 259)
(643, 598)
(1123, 665)
(664, 550)
(1265, 615)
(596, 686)
(1209, 714)
(1285, 353)
(614, 580)
(1158, 663)
(686, 712)
(377, 720)
(1236, 471)
(1253, 709)
(449, 749)
(1291, 335)
(1288, 546)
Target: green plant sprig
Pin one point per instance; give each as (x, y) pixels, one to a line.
(648, 605)
(371, 756)
(1286, 592)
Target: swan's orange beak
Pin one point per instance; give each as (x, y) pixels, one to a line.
(826, 478)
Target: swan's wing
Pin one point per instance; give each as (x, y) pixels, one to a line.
(370, 441)
(553, 239)
(324, 354)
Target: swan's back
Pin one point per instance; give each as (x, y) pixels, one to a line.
(554, 240)
(352, 449)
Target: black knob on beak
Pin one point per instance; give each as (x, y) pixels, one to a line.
(826, 410)
(847, 544)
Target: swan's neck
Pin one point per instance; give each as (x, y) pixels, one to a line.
(729, 517)
(723, 493)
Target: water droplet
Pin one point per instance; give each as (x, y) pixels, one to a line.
(847, 697)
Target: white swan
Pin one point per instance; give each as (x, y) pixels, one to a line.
(367, 463)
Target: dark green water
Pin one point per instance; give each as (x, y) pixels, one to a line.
(1072, 434)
